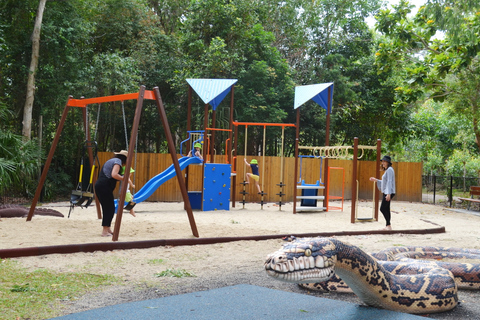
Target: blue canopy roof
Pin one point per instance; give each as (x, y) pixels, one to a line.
(315, 92)
(212, 91)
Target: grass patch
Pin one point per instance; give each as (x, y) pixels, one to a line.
(38, 294)
(177, 273)
(156, 261)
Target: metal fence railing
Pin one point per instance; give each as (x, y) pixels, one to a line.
(15, 196)
(8, 198)
(444, 189)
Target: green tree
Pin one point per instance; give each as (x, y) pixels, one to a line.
(18, 160)
(438, 51)
(226, 39)
(329, 41)
(437, 135)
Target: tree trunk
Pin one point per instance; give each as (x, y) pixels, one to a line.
(27, 110)
(476, 130)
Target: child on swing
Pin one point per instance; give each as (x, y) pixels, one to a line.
(254, 175)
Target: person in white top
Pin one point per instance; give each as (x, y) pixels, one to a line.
(387, 186)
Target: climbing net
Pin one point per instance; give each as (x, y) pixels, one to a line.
(336, 152)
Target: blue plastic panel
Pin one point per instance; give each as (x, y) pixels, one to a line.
(216, 186)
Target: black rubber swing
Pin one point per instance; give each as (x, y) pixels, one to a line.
(85, 195)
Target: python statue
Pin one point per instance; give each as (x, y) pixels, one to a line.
(392, 279)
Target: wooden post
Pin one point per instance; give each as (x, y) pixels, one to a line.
(48, 162)
(297, 135)
(128, 165)
(354, 179)
(189, 115)
(327, 143)
(377, 175)
(212, 135)
(230, 127)
(230, 160)
(205, 126)
(188, 145)
(171, 149)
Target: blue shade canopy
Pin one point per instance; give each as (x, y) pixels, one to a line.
(315, 92)
(212, 91)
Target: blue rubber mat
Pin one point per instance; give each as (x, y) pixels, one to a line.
(240, 302)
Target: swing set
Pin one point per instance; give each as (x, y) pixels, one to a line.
(139, 96)
(86, 193)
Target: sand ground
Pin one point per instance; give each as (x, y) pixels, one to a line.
(221, 264)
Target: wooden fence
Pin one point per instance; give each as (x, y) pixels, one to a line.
(408, 176)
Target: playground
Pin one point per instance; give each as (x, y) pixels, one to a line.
(217, 187)
(217, 242)
(221, 264)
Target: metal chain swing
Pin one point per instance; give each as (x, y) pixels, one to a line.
(126, 141)
(82, 195)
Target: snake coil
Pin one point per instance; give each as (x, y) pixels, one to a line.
(392, 279)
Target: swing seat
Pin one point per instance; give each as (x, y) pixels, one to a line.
(130, 205)
(87, 196)
(81, 196)
(76, 197)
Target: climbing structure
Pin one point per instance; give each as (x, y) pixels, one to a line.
(216, 184)
(321, 94)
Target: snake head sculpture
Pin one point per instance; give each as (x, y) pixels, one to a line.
(406, 286)
(302, 262)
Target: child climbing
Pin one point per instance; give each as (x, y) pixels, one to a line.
(254, 175)
(196, 151)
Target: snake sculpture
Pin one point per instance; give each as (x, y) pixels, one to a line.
(392, 279)
(16, 211)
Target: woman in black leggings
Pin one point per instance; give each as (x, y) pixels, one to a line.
(387, 187)
(104, 187)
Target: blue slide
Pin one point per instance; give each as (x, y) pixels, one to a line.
(152, 185)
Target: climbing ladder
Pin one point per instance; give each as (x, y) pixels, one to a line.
(309, 198)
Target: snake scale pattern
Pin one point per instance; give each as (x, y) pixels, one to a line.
(394, 279)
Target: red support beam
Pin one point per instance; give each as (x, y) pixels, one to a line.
(148, 95)
(236, 123)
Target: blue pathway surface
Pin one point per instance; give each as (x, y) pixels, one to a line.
(153, 184)
(240, 302)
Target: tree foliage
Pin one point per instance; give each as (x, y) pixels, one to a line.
(19, 160)
(437, 53)
(95, 48)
